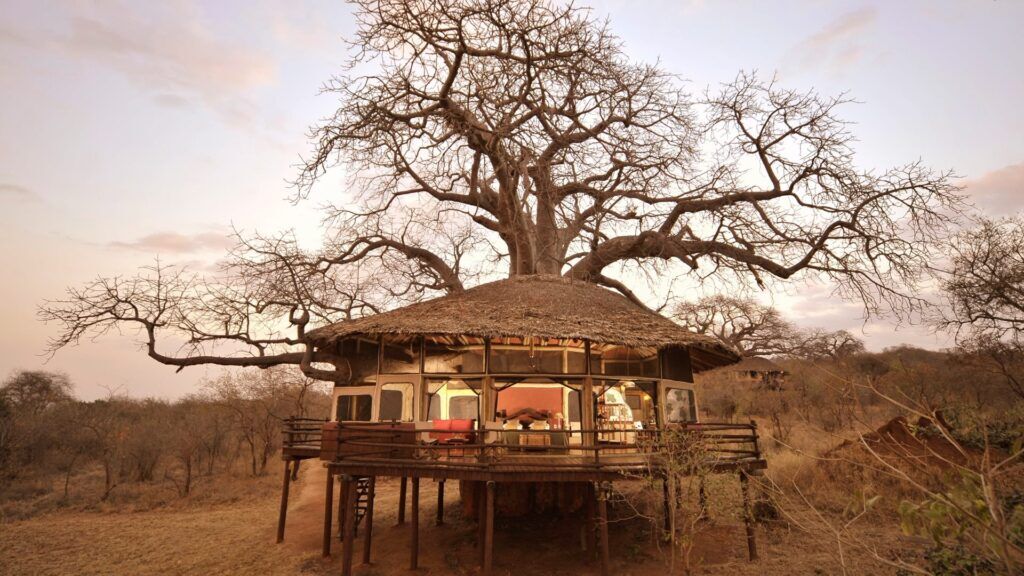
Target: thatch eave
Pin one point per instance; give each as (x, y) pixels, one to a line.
(535, 306)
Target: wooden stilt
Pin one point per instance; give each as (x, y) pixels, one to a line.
(590, 521)
(401, 500)
(348, 521)
(489, 529)
(480, 497)
(440, 502)
(328, 513)
(602, 519)
(666, 508)
(703, 500)
(748, 517)
(347, 485)
(414, 552)
(295, 469)
(368, 519)
(284, 501)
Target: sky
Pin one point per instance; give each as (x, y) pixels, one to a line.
(136, 130)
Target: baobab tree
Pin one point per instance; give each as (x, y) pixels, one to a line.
(752, 328)
(512, 137)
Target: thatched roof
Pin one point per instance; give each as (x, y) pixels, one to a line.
(540, 306)
(754, 364)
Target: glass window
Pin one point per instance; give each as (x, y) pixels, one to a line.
(361, 355)
(453, 355)
(401, 355)
(615, 360)
(396, 401)
(537, 356)
(355, 407)
(463, 408)
(679, 406)
(453, 399)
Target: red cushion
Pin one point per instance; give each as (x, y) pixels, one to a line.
(461, 425)
(442, 424)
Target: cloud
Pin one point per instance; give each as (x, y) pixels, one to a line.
(177, 243)
(837, 46)
(1000, 192)
(16, 193)
(167, 48)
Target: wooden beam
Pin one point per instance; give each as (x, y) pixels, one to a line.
(590, 521)
(347, 485)
(348, 521)
(440, 502)
(480, 500)
(748, 517)
(414, 548)
(666, 504)
(328, 512)
(401, 500)
(489, 529)
(283, 514)
(602, 519)
(368, 532)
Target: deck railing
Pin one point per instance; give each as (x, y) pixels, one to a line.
(712, 444)
(301, 436)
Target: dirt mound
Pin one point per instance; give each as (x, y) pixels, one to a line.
(922, 443)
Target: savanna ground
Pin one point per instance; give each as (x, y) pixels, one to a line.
(124, 486)
(235, 535)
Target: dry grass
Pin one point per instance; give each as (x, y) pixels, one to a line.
(237, 537)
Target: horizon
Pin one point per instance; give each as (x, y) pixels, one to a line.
(152, 131)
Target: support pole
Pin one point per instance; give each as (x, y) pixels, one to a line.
(283, 514)
(328, 513)
(348, 521)
(414, 552)
(748, 517)
(666, 510)
(602, 518)
(347, 485)
(590, 521)
(440, 502)
(401, 500)
(703, 500)
(480, 499)
(489, 529)
(368, 534)
(295, 469)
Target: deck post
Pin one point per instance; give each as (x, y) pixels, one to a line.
(590, 521)
(348, 521)
(401, 500)
(295, 469)
(440, 502)
(703, 498)
(368, 533)
(666, 509)
(489, 529)
(748, 517)
(602, 518)
(480, 499)
(328, 512)
(347, 484)
(283, 514)
(414, 552)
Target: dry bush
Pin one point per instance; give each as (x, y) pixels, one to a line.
(122, 453)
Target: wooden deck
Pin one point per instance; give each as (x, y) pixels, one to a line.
(355, 454)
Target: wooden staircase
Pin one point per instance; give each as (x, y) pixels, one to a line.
(362, 488)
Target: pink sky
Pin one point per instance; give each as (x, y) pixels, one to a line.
(136, 130)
